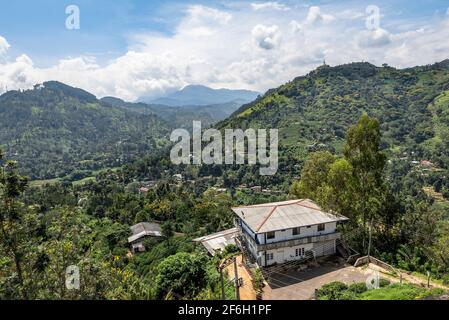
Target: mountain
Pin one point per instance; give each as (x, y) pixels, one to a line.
(180, 117)
(197, 95)
(313, 112)
(56, 130)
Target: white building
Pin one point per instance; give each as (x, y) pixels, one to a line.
(276, 233)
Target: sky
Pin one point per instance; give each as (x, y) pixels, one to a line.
(135, 48)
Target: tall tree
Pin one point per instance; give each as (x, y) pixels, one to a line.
(363, 153)
(314, 176)
(17, 223)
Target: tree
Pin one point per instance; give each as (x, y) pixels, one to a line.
(362, 151)
(17, 224)
(314, 175)
(337, 194)
(182, 275)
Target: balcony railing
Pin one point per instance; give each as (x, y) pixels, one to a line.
(299, 241)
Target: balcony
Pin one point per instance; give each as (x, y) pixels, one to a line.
(298, 242)
(286, 243)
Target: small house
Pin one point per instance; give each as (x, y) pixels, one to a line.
(142, 231)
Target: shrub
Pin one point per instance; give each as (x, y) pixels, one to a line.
(258, 282)
(384, 283)
(358, 288)
(331, 291)
(231, 248)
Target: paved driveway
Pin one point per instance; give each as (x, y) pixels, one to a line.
(301, 285)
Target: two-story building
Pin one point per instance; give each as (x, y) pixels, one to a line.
(275, 233)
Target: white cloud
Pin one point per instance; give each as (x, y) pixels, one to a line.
(375, 38)
(296, 27)
(4, 45)
(203, 21)
(266, 37)
(270, 5)
(237, 48)
(315, 15)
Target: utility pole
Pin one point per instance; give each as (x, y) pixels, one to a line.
(223, 295)
(370, 236)
(237, 285)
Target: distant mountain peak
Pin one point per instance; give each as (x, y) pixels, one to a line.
(78, 93)
(202, 95)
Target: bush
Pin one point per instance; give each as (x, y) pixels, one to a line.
(331, 291)
(181, 275)
(445, 279)
(258, 282)
(384, 283)
(230, 249)
(358, 288)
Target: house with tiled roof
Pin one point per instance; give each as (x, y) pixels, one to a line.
(276, 233)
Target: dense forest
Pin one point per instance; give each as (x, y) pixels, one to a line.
(55, 131)
(368, 142)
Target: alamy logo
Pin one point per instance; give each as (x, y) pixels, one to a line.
(235, 149)
(72, 278)
(73, 20)
(373, 281)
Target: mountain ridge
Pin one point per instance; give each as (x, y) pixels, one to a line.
(54, 130)
(202, 95)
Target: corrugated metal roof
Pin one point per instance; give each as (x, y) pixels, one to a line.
(144, 229)
(285, 215)
(218, 241)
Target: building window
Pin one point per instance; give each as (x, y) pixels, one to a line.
(299, 252)
(270, 256)
(296, 231)
(271, 235)
(321, 227)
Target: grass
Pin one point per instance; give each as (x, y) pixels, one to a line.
(400, 292)
(40, 183)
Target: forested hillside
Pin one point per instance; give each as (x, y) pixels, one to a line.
(378, 173)
(180, 117)
(319, 107)
(314, 111)
(59, 131)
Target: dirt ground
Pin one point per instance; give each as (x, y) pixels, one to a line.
(247, 291)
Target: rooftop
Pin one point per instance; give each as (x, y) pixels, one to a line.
(144, 229)
(218, 241)
(285, 215)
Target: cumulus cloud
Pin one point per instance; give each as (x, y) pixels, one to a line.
(266, 37)
(296, 27)
(315, 15)
(375, 38)
(270, 5)
(235, 47)
(4, 45)
(203, 21)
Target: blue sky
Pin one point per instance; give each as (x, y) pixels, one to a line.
(132, 48)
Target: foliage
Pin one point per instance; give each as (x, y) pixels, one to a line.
(57, 131)
(358, 291)
(181, 275)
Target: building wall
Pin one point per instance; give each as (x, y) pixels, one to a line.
(287, 234)
(289, 253)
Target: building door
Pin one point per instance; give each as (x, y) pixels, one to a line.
(280, 256)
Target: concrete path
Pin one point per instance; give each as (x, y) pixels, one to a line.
(301, 285)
